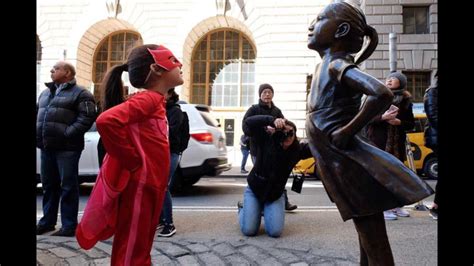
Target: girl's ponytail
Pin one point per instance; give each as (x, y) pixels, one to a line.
(111, 89)
(370, 48)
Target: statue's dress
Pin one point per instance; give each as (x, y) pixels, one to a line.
(361, 179)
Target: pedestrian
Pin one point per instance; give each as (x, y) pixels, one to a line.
(361, 179)
(277, 151)
(430, 101)
(128, 195)
(175, 116)
(265, 106)
(66, 111)
(245, 149)
(388, 130)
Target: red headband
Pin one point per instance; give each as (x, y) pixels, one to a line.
(164, 58)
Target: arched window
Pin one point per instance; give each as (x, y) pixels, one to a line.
(112, 51)
(223, 70)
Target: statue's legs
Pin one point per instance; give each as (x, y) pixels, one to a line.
(373, 240)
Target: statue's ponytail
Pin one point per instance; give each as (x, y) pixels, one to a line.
(370, 48)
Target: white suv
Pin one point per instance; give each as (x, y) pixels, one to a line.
(206, 153)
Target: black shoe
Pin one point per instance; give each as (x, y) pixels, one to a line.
(168, 231)
(65, 232)
(160, 226)
(290, 207)
(244, 171)
(40, 229)
(434, 213)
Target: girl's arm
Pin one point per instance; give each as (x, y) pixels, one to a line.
(378, 100)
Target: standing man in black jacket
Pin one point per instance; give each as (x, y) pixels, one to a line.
(265, 106)
(65, 112)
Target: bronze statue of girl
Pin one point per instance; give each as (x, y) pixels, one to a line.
(360, 179)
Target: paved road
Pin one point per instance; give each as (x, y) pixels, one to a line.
(314, 234)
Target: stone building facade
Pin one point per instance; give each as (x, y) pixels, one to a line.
(227, 47)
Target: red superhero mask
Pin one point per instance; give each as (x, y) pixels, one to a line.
(164, 58)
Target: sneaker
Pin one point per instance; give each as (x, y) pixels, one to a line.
(401, 212)
(168, 231)
(40, 229)
(434, 213)
(389, 215)
(160, 226)
(65, 232)
(290, 207)
(244, 171)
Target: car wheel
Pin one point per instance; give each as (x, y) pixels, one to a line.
(430, 168)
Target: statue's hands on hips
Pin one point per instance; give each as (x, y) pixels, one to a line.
(340, 138)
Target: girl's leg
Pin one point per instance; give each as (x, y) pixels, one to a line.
(274, 215)
(138, 213)
(250, 214)
(374, 240)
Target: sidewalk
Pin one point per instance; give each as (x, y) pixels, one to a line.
(218, 241)
(213, 238)
(235, 172)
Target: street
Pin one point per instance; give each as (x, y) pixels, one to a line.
(208, 232)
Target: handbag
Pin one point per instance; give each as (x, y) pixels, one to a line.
(297, 183)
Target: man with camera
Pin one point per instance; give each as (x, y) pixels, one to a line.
(277, 151)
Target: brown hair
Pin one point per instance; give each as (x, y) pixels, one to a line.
(138, 67)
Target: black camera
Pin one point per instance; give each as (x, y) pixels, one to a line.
(280, 134)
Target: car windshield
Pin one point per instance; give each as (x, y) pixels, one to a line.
(211, 121)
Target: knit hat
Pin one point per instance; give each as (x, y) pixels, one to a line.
(401, 78)
(264, 86)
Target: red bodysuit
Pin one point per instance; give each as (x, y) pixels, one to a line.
(128, 195)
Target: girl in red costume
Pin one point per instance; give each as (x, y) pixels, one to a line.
(128, 195)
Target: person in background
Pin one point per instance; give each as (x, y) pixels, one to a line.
(245, 149)
(65, 112)
(265, 106)
(277, 152)
(174, 115)
(431, 133)
(388, 131)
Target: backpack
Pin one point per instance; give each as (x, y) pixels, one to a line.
(184, 133)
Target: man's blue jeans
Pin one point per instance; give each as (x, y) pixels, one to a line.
(167, 211)
(245, 155)
(251, 213)
(59, 178)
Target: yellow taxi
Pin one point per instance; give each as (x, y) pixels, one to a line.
(425, 161)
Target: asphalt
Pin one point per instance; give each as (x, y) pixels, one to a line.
(316, 237)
